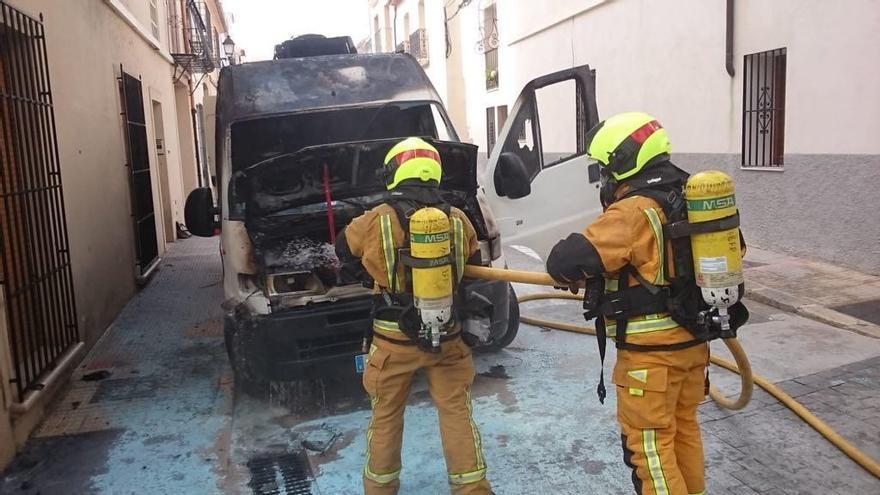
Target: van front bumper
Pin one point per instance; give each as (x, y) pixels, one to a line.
(301, 343)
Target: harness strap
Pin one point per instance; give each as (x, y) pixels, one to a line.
(389, 252)
(658, 347)
(458, 249)
(444, 338)
(601, 335)
(408, 260)
(683, 228)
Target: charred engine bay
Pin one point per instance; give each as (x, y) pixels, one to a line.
(300, 242)
(293, 202)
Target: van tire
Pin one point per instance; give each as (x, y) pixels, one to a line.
(512, 327)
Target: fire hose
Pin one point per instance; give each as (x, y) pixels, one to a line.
(740, 365)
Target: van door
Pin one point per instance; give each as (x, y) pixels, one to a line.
(540, 187)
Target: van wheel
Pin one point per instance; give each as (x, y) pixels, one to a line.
(512, 327)
(247, 380)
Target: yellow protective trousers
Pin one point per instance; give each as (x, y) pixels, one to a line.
(387, 379)
(657, 398)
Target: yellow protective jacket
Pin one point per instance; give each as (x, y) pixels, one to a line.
(363, 239)
(366, 238)
(628, 232)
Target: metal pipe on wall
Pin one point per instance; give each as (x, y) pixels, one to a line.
(728, 42)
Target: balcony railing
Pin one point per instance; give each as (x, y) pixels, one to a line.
(196, 55)
(418, 46)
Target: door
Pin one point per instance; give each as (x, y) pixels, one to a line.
(164, 183)
(143, 215)
(545, 134)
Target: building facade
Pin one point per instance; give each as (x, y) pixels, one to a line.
(101, 143)
(774, 93)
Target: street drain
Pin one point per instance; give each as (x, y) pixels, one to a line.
(280, 474)
(865, 310)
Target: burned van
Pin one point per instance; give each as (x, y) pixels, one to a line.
(300, 143)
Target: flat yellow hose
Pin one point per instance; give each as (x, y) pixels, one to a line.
(741, 365)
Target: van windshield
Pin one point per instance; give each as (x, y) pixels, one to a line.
(254, 141)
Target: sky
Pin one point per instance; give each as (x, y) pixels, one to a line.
(261, 24)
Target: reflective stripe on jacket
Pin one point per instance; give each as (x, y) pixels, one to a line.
(630, 232)
(365, 241)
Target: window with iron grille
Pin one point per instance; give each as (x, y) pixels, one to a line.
(418, 46)
(35, 273)
(763, 118)
(490, 129)
(495, 120)
(489, 45)
(206, 18)
(502, 117)
(215, 40)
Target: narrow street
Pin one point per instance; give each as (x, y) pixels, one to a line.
(337, 146)
(152, 410)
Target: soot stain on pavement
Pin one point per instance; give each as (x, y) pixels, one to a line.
(212, 327)
(496, 371)
(484, 386)
(37, 469)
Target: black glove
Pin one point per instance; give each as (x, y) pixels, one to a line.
(573, 259)
(595, 287)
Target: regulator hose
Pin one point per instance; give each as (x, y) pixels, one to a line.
(741, 365)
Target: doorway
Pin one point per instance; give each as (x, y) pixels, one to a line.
(137, 146)
(162, 164)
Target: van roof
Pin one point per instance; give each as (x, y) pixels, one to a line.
(259, 89)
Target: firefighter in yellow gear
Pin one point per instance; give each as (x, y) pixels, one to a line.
(412, 172)
(660, 373)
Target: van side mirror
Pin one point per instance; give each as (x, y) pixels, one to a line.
(199, 212)
(512, 176)
(593, 172)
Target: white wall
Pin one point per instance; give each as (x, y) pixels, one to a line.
(86, 42)
(667, 58)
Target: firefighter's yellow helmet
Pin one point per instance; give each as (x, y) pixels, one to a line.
(412, 158)
(627, 143)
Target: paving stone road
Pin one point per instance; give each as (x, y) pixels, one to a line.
(166, 419)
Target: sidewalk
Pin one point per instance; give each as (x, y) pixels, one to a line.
(152, 409)
(147, 410)
(820, 291)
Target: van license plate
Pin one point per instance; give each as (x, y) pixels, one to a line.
(359, 362)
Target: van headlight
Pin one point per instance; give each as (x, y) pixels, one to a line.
(293, 283)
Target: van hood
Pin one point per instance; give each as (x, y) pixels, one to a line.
(296, 203)
(340, 171)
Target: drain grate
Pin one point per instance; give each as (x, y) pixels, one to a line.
(865, 310)
(280, 474)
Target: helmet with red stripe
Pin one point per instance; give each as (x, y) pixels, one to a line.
(627, 143)
(412, 159)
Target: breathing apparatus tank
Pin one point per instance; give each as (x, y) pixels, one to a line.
(431, 271)
(717, 255)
